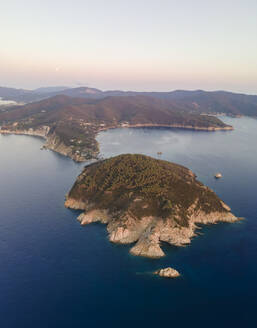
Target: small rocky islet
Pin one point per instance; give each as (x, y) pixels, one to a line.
(167, 273)
(145, 201)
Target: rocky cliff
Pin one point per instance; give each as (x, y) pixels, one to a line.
(53, 141)
(145, 201)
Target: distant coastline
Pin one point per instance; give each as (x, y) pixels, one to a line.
(54, 143)
(171, 126)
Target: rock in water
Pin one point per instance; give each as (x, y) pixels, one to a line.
(167, 273)
(145, 200)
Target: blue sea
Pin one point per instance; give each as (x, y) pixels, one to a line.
(55, 273)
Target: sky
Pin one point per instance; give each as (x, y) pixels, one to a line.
(138, 45)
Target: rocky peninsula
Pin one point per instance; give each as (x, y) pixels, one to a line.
(145, 201)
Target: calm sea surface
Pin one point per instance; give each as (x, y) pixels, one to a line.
(55, 273)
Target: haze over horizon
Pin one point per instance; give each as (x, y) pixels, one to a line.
(140, 45)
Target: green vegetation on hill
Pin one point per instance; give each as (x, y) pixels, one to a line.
(196, 101)
(143, 186)
(110, 111)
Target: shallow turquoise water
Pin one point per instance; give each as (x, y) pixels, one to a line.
(55, 273)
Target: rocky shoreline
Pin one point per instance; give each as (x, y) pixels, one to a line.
(149, 232)
(53, 142)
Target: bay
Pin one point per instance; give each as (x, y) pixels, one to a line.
(56, 273)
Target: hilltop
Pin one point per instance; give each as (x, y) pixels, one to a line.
(71, 124)
(145, 200)
(196, 101)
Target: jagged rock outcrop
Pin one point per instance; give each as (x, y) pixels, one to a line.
(167, 273)
(145, 201)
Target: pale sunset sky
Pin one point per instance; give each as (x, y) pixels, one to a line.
(138, 44)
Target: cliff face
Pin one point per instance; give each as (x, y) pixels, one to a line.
(53, 141)
(147, 232)
(145, 201)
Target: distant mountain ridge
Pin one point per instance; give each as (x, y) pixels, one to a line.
(46, 90)
(197, 101)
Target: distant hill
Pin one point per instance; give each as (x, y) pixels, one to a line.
(200, 101)
(197, 101)
(47, 90)
(26, 96)
(111, 110)
(13, 94)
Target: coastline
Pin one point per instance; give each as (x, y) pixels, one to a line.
(54, 143)
(172, 126)
(149, 232)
